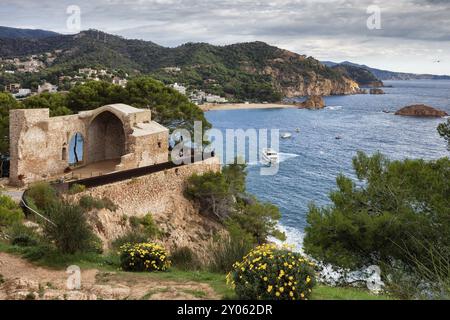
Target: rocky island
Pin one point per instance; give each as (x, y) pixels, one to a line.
(420, 110)
(312, 102)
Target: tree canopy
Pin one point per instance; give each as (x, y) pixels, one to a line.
(444, 131)
(386, 217)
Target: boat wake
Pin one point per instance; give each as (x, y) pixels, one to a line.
(333, 108)
(281, 158)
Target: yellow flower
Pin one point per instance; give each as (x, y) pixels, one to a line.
(291, 294)
(308, 279)
(269, 288)
(265, 279)
(277, 294)
(282, 289)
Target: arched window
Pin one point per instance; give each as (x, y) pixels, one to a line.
(76, 145)
(64, 153)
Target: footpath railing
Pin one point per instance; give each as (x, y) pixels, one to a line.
(122, 175)
(28, 210)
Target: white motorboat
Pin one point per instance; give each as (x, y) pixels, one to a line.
(269, 156)
(286, 135)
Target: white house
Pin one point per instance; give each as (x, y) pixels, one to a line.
(47, 87)
(180, 88)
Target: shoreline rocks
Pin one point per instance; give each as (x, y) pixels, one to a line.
(421, 110)
(376, 91)
(312, 102)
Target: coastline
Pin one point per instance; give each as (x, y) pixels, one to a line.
(243, 106)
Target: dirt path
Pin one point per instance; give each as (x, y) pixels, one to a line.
(20, 279)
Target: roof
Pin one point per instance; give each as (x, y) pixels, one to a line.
(143, 129)
(124, 108)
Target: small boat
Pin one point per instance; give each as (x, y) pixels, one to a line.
(286, 135)
(269, 156)
(297, 130)
(386, 111)
(338, 138)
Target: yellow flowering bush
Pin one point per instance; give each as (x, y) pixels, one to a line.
(143, 257)
(269, 272)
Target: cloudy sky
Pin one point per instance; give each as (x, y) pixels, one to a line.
(414, 34)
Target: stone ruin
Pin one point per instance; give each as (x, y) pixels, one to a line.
(118, 133)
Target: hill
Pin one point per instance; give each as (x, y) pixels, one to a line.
(362, 76)
(245, 71)
(15, 33)
(389, 75)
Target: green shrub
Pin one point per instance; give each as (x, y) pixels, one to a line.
(143, 257)
(70, 232)
(258, 219)
(10, 212)
(150, 227)
(42, 194)
(225, 251)
(77, 188)
(272, 273)
(132, 237)
(22, 236)
(88, 203)
(135, 222)
(212, 192)
(372, 221)
(185, 259)
(37, 253)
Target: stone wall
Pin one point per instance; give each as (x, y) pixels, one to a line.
(160, 194)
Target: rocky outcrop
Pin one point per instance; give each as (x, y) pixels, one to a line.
(296, 85)
(376, 91)
(312, 102)
(421, 110)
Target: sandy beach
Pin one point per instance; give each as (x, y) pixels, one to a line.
(236, 106)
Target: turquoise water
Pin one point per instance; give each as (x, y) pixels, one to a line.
(313, 158)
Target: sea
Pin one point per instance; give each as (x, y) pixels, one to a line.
(313, 157)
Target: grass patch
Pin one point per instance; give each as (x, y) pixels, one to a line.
(195, 293)
(46, 256)
(321, 292)
(149, 294)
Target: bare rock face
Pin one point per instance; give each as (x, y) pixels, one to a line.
(313, 102)
(421, 110)
(376, 91)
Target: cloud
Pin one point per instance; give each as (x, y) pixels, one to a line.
(325, 28)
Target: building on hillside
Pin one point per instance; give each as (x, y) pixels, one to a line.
(87, 71)
(47, 87)
(12, 88)
(172, 69)
(113, 138)
(22, 93)
(180, 88)
(198, 97)
(119, 81)
(210, 98)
